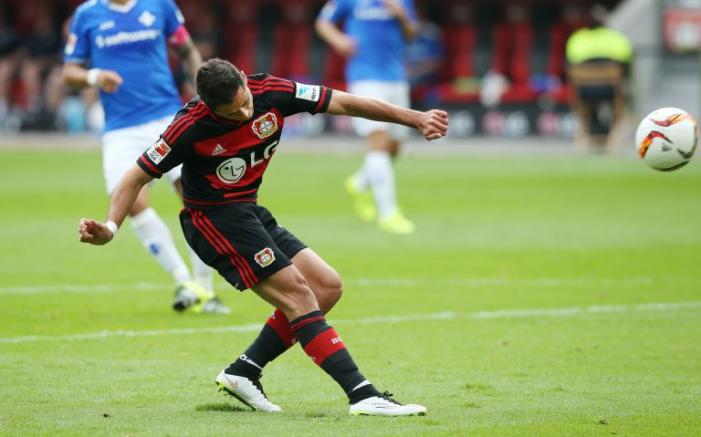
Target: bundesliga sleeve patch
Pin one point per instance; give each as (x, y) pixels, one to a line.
(308, 92)
(70, 44)
(158, 151)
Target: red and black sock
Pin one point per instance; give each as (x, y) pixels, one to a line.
(321, 342)
(274, 339)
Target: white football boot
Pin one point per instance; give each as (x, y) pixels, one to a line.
(246, 391)
(385, 406)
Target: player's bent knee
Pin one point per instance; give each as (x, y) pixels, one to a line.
(299, 299)
(333, 286)
(328, 289)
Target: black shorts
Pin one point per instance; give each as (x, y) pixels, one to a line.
(242, 241)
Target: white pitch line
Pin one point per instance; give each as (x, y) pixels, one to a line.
(359, 282)
(445, 315)
(83, 288)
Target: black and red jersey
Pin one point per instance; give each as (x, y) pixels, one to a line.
(224, 160)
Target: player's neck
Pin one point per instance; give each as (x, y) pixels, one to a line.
(120, 2)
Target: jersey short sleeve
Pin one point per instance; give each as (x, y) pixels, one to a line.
(297, 97)
(173, 17)
(161, 157)
(335, 10)
(77, 49)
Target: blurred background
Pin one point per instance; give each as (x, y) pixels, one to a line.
(500, 67)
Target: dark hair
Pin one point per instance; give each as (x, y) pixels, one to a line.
(218, 81)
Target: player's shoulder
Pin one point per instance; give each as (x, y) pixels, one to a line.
(261, 83)
(185, 126)
(265, 78)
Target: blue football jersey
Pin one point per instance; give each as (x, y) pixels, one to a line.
(131, 40)
(378, 35)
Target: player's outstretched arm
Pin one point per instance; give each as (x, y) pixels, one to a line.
(78, 76)
(124, 195)
(432, 124)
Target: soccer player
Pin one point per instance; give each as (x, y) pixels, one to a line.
(121, 48)
(374, 42)
(225, 139)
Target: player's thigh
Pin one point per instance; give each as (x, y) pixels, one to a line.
(232, 240)
(321, 277)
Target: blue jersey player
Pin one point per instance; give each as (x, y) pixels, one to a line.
(121, 48)
(374, 42)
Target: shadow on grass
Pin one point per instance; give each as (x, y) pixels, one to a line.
(222, 407)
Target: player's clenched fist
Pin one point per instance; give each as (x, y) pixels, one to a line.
(109, 81)
(94, 232)
(433, 124)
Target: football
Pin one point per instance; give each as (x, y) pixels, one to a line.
(666, 139)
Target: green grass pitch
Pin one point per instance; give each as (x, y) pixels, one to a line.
(541, 295)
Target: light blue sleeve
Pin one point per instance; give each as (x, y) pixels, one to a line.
(77, 49)
(335, 10)
(173, 17)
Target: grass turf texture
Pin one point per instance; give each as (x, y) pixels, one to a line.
(494, 233)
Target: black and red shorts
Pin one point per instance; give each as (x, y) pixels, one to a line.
(242, 241)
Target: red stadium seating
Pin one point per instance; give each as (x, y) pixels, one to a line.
(458, 71)
(511, 57)
(334, 70)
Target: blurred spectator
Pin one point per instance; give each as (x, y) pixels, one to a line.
(205, 31)
(39, 55)
(599, 58)
(425, 52)
(571, 20)
(458, 73)
(9, 45)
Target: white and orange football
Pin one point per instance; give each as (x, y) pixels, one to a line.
(667, 138)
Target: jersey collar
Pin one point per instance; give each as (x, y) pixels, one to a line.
(128, 6)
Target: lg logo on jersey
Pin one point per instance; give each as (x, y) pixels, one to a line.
(232, 170)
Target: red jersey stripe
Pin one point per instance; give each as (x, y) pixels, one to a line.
(239, 193)
(266, 89)
(179, 121)
(217, 202)
(200, 227)
(150, 166)
(245, 269)
(264, 84)
(269, 80)
(230, 250)
(220, 244)
(271, 85)
(322, 99)
(180, 126)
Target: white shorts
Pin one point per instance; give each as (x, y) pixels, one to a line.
(122, 147)
(392, 92)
